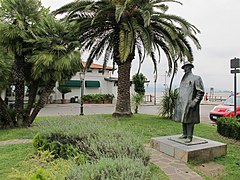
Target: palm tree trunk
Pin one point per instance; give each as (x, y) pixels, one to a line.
(42, 100)
(173, 74)
(19, 89)
(33, 88)
(123, 106)
(5, 113)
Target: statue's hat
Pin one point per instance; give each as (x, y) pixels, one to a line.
(187, 63)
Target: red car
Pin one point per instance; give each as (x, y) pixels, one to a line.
(226, 109)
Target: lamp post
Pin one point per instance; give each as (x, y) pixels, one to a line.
(82, 76)
(155, 89)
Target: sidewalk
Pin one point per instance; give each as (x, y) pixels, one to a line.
(74, 109)
(173, 168)
(211, 102)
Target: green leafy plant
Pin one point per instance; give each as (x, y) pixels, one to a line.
(108, 97)
(60, 146)
(229, 127)
(90, 142)
(137, 100)
(96, 98)
(138, 81)
(107, 168)
(3, 121)
(87, 97)
(42, 166)
(64, 90)
(168, 103)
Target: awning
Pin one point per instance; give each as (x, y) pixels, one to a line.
(92, 84)
(72, 83)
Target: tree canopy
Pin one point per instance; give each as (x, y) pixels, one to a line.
(119, 29)
(43, 51)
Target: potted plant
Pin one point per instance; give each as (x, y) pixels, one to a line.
(87, 99)
(108, 98)
(64, 90)
(98, 99)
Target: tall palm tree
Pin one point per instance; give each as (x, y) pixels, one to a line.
(118, 29)
(55, 58)
(44, 51)
(16, 19)
(5, 76)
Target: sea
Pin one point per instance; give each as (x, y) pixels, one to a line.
(209, 96)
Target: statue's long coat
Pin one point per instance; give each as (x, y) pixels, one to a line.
(191, 90)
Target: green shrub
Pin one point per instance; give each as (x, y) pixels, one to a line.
(90, 139)
(3, 123)
(108, 97)
(106, 168)
(229, 127)
(97, 97)
(168, 103)
(138, 81)
(42, 166)
(60, 146)
(87, 97)
(137, 100)
(64, 90)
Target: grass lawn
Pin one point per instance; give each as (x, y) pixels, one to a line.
(146, 126)
(11, 155)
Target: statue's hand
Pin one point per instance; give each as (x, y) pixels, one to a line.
(193, 104)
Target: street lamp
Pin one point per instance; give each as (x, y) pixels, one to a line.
(82, 77)
(155, 89)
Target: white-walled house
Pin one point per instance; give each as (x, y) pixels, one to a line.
(95, 82)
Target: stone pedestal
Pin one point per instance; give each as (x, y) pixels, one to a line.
(199, 150)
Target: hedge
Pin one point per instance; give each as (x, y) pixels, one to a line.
(229, 127)
(98, 97)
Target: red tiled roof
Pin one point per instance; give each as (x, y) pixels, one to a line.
(96, 66)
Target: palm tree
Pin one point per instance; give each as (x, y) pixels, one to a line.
(16, 19)
(55, 58)
(120, 28)
(44, 51)
(5, 76)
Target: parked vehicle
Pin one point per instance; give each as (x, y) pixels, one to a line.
(226, 109)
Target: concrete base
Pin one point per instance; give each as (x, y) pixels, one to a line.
(199, 150)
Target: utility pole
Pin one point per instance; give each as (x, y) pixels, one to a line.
(235, 63)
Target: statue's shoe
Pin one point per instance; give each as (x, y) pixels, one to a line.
(183, 137)
(188, 140)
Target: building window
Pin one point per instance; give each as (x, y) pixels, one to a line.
(92, 84)
(72, 83)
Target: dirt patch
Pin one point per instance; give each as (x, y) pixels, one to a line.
(210, 169)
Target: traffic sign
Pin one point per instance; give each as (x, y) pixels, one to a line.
(235, 71)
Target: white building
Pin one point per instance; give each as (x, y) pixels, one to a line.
(95, 82)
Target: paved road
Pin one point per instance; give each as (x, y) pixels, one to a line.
(204, 112)
(74, 109)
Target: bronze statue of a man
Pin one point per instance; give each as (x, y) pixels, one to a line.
(191, 92)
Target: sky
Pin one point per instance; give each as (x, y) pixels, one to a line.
(218, 21)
